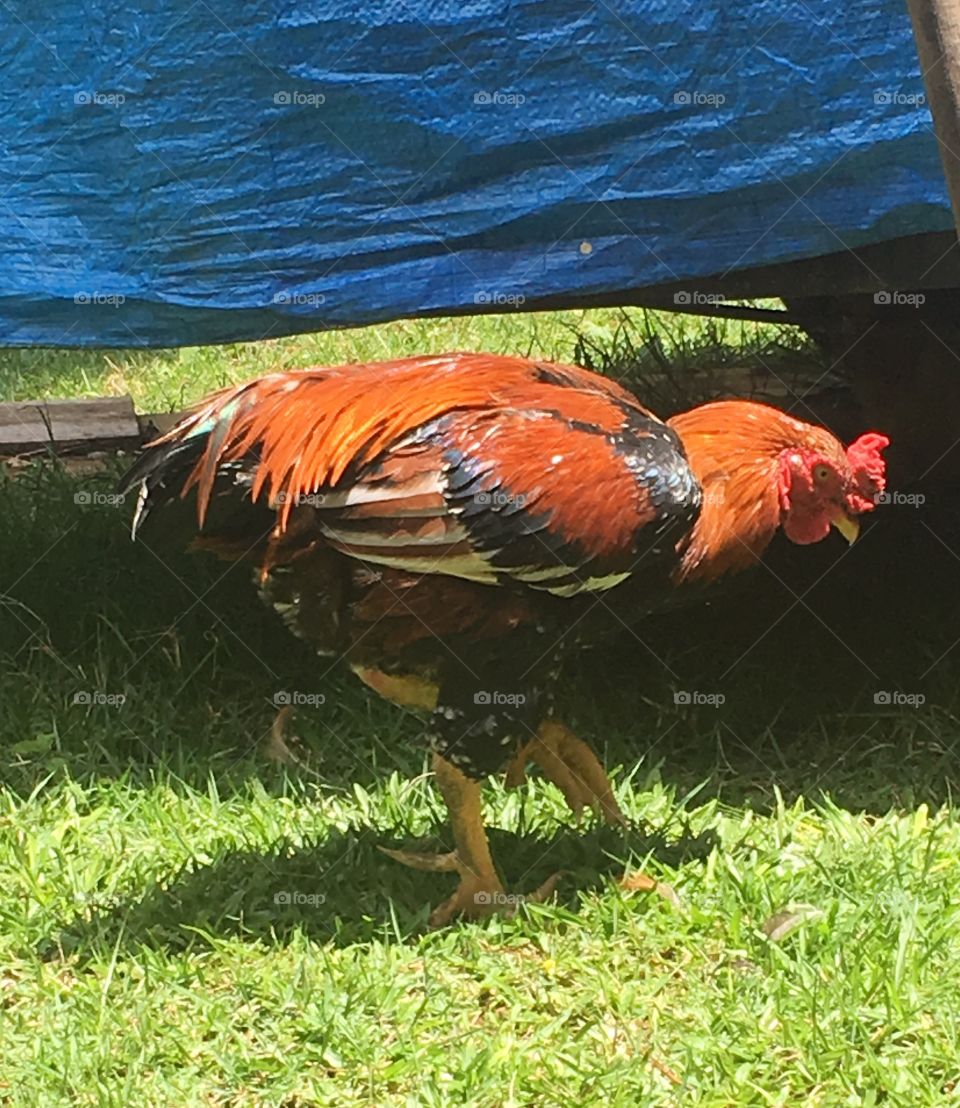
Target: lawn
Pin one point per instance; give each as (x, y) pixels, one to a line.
(186, 920)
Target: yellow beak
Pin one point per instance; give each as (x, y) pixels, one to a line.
(846, 525)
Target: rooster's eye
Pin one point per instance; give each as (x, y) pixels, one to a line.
(821, 473)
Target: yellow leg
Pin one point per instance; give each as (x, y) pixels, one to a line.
(572, 766)
(480, 892)
(516, 771)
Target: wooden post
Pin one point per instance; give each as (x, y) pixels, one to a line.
(936, 27)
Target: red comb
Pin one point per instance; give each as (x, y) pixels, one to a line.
(869, 470)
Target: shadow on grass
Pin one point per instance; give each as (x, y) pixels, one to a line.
(345, 890)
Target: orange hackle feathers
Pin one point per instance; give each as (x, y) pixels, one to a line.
(734, 449)
(309, 426)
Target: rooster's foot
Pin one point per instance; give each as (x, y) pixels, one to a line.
(573, 767)
(478, 894)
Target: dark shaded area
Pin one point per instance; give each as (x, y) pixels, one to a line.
(838, 667)
(345, 890)
(897, 351)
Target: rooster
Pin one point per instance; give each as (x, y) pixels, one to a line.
(450, 526)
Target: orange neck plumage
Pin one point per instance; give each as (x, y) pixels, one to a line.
(734, 449)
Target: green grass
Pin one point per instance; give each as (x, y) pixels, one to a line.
(164, 380)
(183, 921)
(160, 380)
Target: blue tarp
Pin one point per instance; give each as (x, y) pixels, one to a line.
(180, 171)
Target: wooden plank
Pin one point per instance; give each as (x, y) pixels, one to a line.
(65, 426)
